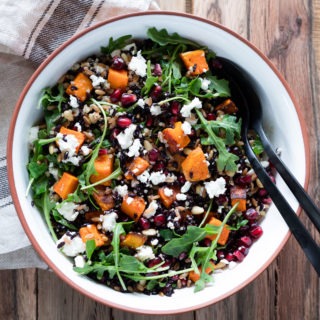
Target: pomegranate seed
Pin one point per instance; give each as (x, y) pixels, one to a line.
(175, 107)
(245, 241)
(256, 232)
(267, 200)
(251, 214)
(157, 71)
(207, 242)
(245, 180)
(144, 223)
(244, 250)
(154, 262)
(222, 198)
(262, 193)
(116, 95)
(123, 122)
(159, 220)
(149, 121)
(118, 63)
(173, 120)
(153, 155)
(156, 93)
(159, 166)
(127, 99)
(211, 116)
(229, 257)
(220, 254)
(238, 255)
(114, 133)
(103, 152)
(181, 179)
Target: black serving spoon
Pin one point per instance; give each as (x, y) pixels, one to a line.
(251, 113)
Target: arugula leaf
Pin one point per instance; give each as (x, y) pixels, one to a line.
(90, 247)
(115, 44)
(47, 206)
(220, 86)
(59, 218)
(50, 98)
(150, 81)
(226, 160)
(163, 38)
(36, 169)
(257, 146)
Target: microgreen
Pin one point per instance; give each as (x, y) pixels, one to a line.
(115, 44)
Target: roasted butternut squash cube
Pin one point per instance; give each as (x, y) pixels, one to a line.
(80, 87)
(195, 61)
(133, 207)
(103, 199)
(195, 167)
(78, 135)
(90, 232)
(239, 195)
(224, 234)
(66, 185)
(133, 240)
(103, 166)
(175, 137)
(118, 79)
(136, 167)
(167, 195)
(227, 106)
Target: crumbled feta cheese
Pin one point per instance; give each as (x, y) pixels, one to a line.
(71, 245)
(96, 81)
(138, 64)
(85, 150)
(154, 241)
(157, 177)
(73, 101)
(181, 197)
(79, 261)
(170, 225)
(186, 127)
(150, 232)
(205, 84)
(33, 134)
(68, 143)
(155, 109)
(121, 190)
(186, 109)
(67, 210)
(185, 188)
(53, 171)
(144, 176)
(129, 200)
(168, 192)
(151, 210)
(134, 148)
(215, 188)
(125, 138)
(78, 126)
(109, 221)
(144, 253)
(140, 103)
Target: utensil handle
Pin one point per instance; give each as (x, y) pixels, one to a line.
(309, 246)
(303, 198)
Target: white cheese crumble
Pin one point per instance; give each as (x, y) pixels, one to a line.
(121, 190)
(85, 150)
(109, 221)
(151, 210)
(96, 81)
(157, 177)
(144, 253)
(155, 110)
(71, 247)
(181, 197)
(185, 188)
(144, 176)
(73, 102)
(125, 138)
(168, 192)
(170, 225)
(68, 143)
(187, 108)
(53, 171)
(215, 188)
(186, 127)
(33, 134)
(78, 126)
(79, 261)
(205, 84)
(138, 64)
(154, 241)
(68, 210)
(140, 103)
(134, 148)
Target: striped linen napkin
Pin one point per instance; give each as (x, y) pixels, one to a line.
(29, 31)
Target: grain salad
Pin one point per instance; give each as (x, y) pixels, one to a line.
(139, 169)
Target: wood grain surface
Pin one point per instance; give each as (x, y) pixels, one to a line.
(288, 33)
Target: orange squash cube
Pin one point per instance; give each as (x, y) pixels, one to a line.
(78, 135)
(66, 185)
(136, 167)
(133, 240)
(103, 166)
(90, 232)
(224, 234)
(133, 207)
(80, 87)
(195, 61)
(118, 79)
(104, 200)
(175, 137)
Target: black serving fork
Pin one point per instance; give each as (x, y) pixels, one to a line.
(251, 113)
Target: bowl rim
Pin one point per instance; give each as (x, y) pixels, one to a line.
(14, 192)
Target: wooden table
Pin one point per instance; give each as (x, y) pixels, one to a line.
(288, 32)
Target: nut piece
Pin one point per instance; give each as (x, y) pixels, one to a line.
(197, 210)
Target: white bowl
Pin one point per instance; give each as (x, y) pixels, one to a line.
(281, 116)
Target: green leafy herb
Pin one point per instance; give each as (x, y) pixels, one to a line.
(36, 169)
(60, 219)
(49, 97)
(115, 44)
(257, 146)
(90, 247)
(150, 81)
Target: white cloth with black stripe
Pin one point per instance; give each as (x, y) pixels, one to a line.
(29, 31)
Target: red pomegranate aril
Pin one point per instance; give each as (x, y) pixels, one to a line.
(245, 180)
(245, 241)
(144, 223)
(256, 232)
(175, 107)
(159, 166)
(153, 155)
(220, 254)
(211, 116)
(251, 214)
(181, 179)
(159, 220)
(149, 121)
(123, 122)
(114, 133)
(128, 99)
(262, 193)
(103, 152)
(155, 93)
(244, 250)
(157, 70)
(207, 242)
(222, 199)
(118, 63)
(116, 95)
(229, 257)
(238, 255)
(267, 200)
(173, 120)
(154, 262)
